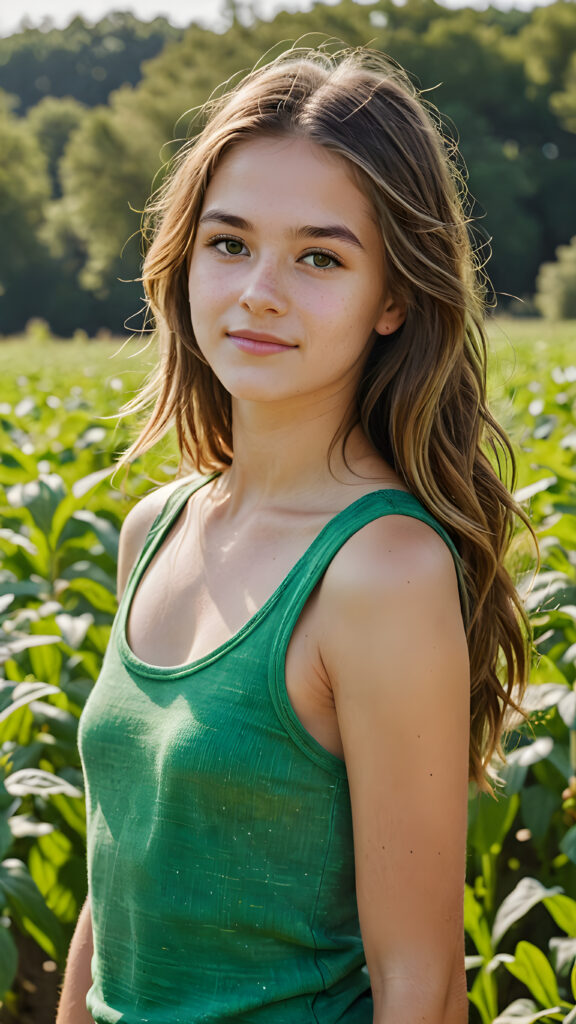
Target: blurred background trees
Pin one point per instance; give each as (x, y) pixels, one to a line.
(89, 117)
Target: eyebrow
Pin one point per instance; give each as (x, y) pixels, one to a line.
(339, 231)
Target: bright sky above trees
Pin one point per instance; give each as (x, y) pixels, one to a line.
(179, 12)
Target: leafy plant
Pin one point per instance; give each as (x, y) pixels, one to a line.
(58, 544)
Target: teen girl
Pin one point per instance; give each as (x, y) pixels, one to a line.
(301, 676)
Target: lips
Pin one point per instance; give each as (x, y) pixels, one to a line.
(256, 343)
(259, 336)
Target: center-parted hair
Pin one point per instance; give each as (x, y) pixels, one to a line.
(422, 397)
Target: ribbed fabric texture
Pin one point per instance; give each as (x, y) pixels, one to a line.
(220, 853)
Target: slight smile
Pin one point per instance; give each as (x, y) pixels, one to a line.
(258, 344)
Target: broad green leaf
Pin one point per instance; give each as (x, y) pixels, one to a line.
(46, 661)
(97, 595)
(82, 487)
(525, 493)
(8, 960)
(532, 968)
(6, 838)
(106, 533)
(29, 909)
(16, 465)
(548, 671)
(560, 758)
(6, 800)
(23, 643)
(54, 866)
(61, 724)
(484, 996)
(66, 508)
(18, 540)
(55, 848)
(90, 570)
(514, 776)
(25, 588)
(563, 910)
(42, 871)
(41, 497)
(25, 754)
(523, 897)
(99, 637)
(17, 727)
(15, 696)
(538, 804)
(475, 923)
(63, 902)
(490, 820)
(73, 812)
(568, 844)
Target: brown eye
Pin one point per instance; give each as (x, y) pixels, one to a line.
(227, 246)
(321, 260)
(233, 246)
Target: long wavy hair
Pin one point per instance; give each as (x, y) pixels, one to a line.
(422, 398)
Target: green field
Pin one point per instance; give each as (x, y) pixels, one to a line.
(58, 541)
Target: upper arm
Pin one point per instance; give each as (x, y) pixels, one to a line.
(394, 648)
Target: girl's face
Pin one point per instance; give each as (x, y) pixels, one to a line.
(287, 277)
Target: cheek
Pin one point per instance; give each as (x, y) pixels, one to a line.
(202, 294)
(346, 314)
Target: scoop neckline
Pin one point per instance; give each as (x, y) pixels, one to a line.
(145, 668)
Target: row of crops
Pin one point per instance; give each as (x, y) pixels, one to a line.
(60, 521)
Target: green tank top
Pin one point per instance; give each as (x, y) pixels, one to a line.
(220, 853)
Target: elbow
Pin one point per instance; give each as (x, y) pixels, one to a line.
(421, 1000)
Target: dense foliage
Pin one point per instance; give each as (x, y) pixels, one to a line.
(556, 284)
(90, 116)
(81, 61)
(61, 519)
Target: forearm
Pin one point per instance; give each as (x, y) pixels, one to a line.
(78, 975)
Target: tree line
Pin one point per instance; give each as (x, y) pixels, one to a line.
(90, 116)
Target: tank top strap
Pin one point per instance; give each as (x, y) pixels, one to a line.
(167, 517)
(364, 510)
(310, 570)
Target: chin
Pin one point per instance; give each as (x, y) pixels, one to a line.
(254, 387)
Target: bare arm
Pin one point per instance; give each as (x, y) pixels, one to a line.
(397, 661)
(78, 976)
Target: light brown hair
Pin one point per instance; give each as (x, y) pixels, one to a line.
(422, 399)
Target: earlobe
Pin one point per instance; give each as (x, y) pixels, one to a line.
(391, 318)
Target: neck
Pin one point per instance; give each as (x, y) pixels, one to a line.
(287, 457)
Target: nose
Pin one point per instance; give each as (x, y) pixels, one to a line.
(263, 290)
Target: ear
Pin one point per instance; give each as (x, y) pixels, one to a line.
(392, 316)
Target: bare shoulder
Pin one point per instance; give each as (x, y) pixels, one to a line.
(136, 527)
(392, 589)
(391, 555)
